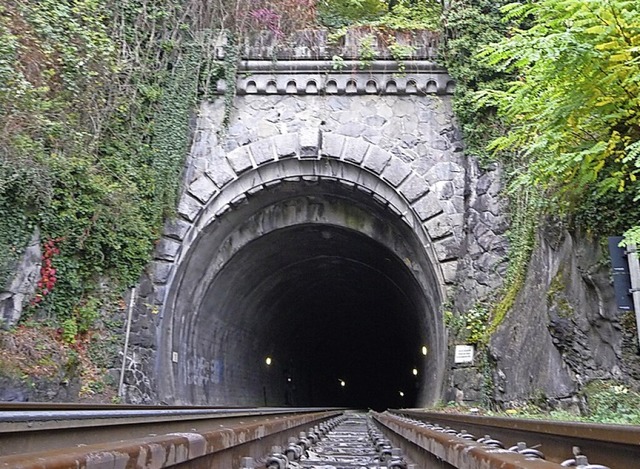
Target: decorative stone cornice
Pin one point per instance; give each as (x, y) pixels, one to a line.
(300, 77)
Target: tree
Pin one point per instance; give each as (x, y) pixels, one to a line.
(573, 110)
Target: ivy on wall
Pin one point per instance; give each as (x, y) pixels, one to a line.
(95, 100)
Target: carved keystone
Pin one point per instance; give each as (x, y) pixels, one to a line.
(310, 142)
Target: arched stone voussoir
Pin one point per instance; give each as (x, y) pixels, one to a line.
(439, 226)
(202, 188)
(262, 151)
(312, 143)
(313, 155)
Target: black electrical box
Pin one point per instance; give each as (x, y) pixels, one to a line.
(621, 276)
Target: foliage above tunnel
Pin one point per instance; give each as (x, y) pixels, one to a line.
(571, 109)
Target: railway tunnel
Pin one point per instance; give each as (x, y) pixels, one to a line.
(311, 291)
(314, 246)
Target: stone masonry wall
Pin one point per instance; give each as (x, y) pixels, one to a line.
(417, 128)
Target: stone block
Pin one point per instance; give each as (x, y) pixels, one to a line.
(444, 171)
(310, 142)
(404, 107)
(222, 210)
(414, 187)
(376, 159)
(176, 228)
(239, 160)
(332, 144)
(487, 203)
(440, 144)
(189, 207)
(238, 200)
(335, 103)
(351, 128)
(167, 249)
(375, 121)
(444, 189)
(202, 189)
(486, 240)
(160, 271)
(266, 129)
(396, 171)
(447, 248)
(354, 150)
(262, 152)
(286, 145)
(159, 293)
(484, 183)
(220, 172)
(427, 207)
(449, 271)
(438, 227)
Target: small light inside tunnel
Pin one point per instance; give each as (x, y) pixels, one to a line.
(342, 383)
(268, 361)
(401, 394)
(424, 350)
(414, 372)
(289, 380)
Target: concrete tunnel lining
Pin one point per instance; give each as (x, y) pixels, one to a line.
(238, 293)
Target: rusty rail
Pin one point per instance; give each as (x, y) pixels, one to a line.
(220, 440)
(205, 438)
(614, 446)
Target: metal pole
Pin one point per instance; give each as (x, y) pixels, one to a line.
(634, 274)
(126, 343)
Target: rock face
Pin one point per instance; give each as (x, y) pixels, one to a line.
(23, 284)
(564, 329)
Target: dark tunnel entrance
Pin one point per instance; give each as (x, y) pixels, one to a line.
(309, 300)
(337, 314)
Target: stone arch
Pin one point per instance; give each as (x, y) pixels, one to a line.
(310, 156)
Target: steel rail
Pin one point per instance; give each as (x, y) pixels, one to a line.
(615, 446)
(48, 406)
(217, 437)
(36, 431)
(444, 450)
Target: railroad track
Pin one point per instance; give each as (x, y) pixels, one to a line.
(198, 437)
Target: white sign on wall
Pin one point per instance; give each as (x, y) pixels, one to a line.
(463, 354)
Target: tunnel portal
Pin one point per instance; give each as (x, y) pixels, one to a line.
(309, 293)
(321, 224)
